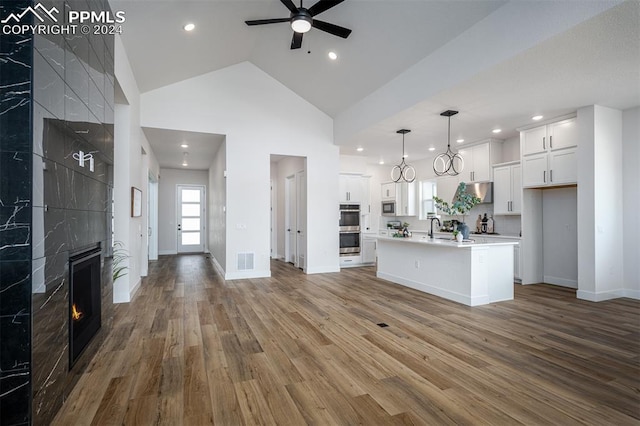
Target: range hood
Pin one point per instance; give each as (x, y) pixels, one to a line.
(482, 190)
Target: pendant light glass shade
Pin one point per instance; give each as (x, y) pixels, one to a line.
(403, 172)
(448, 163)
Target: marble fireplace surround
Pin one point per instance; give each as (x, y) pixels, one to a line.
(57, 99)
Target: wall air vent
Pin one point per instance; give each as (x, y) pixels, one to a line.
(245, 261)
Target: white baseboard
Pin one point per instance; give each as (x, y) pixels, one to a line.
(165, 252)
(217, 265)
(436, 291)
(239, 275)
(560, 281)
(601, 296)
(322, 269)
(135, 289)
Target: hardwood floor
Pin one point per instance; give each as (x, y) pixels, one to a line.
(193, 349)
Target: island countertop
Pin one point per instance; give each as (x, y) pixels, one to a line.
(446, 242)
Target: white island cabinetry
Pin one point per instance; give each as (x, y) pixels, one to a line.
(469, 273)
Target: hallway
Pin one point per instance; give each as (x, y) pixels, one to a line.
(193, 349)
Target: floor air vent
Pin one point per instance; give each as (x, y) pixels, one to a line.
(245, 261)
(381, 324)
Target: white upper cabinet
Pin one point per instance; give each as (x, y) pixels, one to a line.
(534, 141)
(507, 190)
(406, 199)
(388, 191)
(549, 154)
(352, 189)
(563, 134)
(478, 161)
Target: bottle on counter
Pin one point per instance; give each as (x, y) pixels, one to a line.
(485, 221)
(490, 225)
(479, 224)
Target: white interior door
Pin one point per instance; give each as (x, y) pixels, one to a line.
(301, 214)
(153, 219)
(290, 219)
(191, 229)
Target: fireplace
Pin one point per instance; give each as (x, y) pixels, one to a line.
(85, 311)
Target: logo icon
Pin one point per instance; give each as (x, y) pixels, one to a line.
(39, 11)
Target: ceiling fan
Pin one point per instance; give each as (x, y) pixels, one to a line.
(302, 19)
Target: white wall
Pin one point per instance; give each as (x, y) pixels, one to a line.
(217, 208)
(600, 220)
(511, 149)
(130, 170)
(631, 200)
(259, 117)
(167, 207)
(560, 236)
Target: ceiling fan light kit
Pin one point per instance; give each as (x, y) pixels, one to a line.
(448, 163)
(403, 172)
(302, 20)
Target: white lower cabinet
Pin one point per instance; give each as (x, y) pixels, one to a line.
(517, 263)
(346, 261)
(368, 249)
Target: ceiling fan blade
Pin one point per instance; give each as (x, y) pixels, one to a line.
(331, 28)
(267, 21)
(323, 5)
(296, 41)
(289, 5)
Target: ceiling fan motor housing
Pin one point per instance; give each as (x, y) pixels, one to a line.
(301, 15)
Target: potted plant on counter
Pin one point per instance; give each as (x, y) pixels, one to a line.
(462, 203)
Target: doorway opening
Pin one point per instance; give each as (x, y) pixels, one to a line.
(289, 209)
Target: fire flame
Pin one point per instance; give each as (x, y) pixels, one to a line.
(75, 313)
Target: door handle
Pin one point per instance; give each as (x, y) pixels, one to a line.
(288, 230)
(551, 142)
(298, 231)
(179, 227)
(550, 175)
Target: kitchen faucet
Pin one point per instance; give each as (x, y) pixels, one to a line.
(432, 219)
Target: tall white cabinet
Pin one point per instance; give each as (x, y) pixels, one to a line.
(549, 154)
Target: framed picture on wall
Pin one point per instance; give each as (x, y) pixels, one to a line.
(136, 202)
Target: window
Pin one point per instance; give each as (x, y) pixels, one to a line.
(427, 192)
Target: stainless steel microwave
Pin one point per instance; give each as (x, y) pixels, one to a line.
(388, 208)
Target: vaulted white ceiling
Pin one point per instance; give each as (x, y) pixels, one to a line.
(597, 61)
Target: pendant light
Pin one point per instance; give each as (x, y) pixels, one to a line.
(403, 172)
(448, 163)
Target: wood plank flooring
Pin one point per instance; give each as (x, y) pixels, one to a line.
(295, 349)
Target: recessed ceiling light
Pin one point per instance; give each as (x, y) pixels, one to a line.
(432, 149)
(460, 140)
(333, 55)
(189, 27)
(184, 164)
(537, 117)
(360, 149)
(496, 130)
(405, 156)
(381, 162)
(184, 145)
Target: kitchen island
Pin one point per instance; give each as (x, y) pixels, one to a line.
(469, 273)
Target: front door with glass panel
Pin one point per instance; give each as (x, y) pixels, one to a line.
(191, 216)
